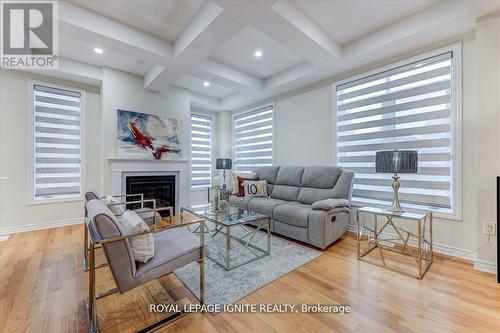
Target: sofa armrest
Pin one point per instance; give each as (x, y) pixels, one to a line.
(331, 204)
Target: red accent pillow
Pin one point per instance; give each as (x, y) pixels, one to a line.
(241, 189)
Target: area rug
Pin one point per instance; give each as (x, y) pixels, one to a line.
(226, 287)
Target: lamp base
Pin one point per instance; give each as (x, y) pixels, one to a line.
(396, 206)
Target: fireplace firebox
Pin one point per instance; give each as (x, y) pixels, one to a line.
(161, 188)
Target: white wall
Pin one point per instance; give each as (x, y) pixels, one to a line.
(487, 127)
(303, 129)
(18, 212)
(125, 91)
(304, 135)
(119, 90)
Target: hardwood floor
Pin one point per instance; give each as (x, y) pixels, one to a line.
(42, 288)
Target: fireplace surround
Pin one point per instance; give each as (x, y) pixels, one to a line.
(121, 168)
(158, 187)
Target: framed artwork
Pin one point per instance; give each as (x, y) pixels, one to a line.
(147, 136)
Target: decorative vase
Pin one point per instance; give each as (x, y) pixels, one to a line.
(224, 194)
(223, 206)
(215, 197)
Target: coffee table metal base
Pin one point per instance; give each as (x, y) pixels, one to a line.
(246, 241)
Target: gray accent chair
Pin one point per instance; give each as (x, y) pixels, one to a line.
(309, 204)
(175, 247)
(150, 216)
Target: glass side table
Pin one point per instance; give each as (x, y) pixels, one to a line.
(403, 241)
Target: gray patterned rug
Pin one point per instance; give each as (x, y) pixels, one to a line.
(227, 287)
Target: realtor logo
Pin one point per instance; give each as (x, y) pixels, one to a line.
(29, 34)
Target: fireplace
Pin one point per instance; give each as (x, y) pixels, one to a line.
(161, 188)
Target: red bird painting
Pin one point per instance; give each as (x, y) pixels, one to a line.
(144, 141)
(137, 131)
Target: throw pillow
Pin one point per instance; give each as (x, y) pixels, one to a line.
(241, 190)
(234, 179)
(116, 209)
(255, 188)
(143, 246)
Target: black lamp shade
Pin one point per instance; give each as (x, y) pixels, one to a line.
(223, 163)
(396, 161)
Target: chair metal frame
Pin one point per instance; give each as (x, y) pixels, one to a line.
(95, 240)
(86, 241)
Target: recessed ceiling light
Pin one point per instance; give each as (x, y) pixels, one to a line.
(258, 53)
(98, 50)
(206, 84)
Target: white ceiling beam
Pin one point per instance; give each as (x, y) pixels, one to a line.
(289, 35)
(204, 101)
(74, 71)
(289, 75)
(204, 18)
(223, 74)
(233, 18)
(310, 28)
(152, 73)
(428, 19)
(79, 22)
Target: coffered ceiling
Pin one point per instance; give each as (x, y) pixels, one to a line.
(187, 43)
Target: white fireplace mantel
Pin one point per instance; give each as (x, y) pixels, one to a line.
(122, 167)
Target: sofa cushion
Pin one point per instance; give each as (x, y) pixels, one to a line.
(293, 213)
(285, 192)
(341, 190)
(268, 174)
(264, 206)
(320, 176)
(310, 195)
(289, 175)
(241, 202)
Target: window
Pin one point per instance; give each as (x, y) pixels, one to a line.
(201, 150)
(411, 106)
(56, 124)
(253, 132)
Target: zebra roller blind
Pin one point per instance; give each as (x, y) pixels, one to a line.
(57, 143)
(253, 132)
(408, 107)
(201, 150)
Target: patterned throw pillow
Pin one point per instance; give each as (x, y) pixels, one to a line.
(241, 190)
(118, 210)
(143, 246)
(234, 180)
(255, 188)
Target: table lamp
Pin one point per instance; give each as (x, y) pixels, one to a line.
(223, 164)
(396, 161)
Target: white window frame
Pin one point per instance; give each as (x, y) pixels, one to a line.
(236, 114)
(456, 118)
(202, 187)
(31, 143)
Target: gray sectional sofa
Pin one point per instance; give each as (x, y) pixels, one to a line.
(309, 204)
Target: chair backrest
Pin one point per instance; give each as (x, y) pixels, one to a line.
(118, 254)
(91, 194)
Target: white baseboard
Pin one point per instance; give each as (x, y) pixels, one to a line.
(5, 231)
(485, 266)
(4, 238)
(480, 265)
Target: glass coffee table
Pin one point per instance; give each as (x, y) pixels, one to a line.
(232, 243)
